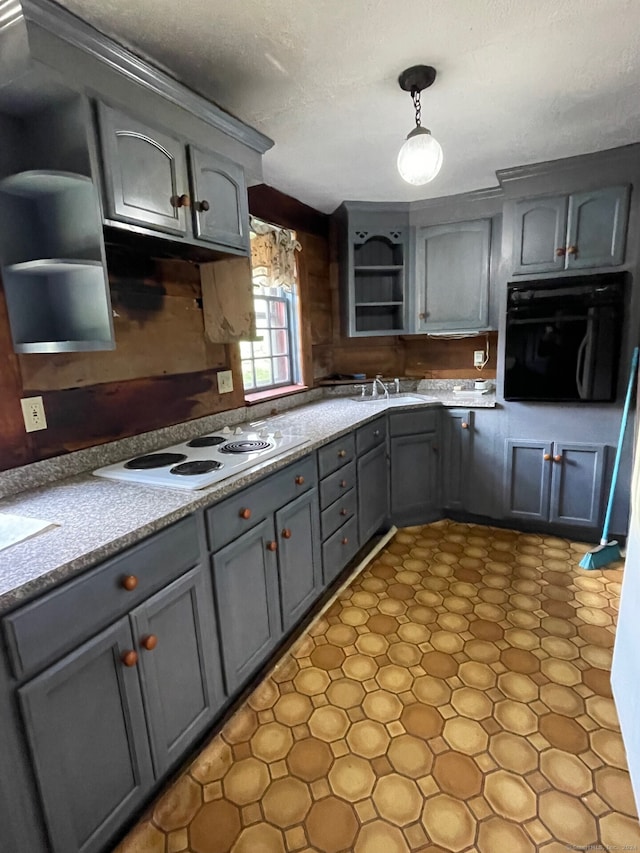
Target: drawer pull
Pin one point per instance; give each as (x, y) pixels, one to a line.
(149, 643)
(560, 252)
(180, 200)
(130, 658)
(202, 206)
(343, 484)
(272, 546)
(547, 457)
(286, 533)
(376, 432)
(572, 250)
(345, 541)
(557, 457)
(299, 480)
(344, 511)
(342, 453)
(130, 583)
(464, 425)
(245, 513)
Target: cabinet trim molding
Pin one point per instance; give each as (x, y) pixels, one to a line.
(77, 32)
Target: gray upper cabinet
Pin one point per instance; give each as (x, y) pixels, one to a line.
(159, 182)
(452, 276)
(220, 209)
(145, 173)
(580, 231)
(86, 727)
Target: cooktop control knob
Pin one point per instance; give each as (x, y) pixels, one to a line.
(237, 431)
(263, 433)
(277, 434)
(226, 431)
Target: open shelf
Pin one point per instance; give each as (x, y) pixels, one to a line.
(381, 319)
(40, 182)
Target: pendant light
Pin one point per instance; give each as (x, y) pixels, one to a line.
(420, 158)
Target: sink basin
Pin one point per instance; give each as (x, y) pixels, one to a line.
(397, 399)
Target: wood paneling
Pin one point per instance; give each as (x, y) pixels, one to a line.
(227, 300)
(439, 358)
(273, 206)
(15, 445)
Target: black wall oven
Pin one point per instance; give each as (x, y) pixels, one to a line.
(563, 339)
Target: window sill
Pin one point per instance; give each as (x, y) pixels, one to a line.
(273, 393)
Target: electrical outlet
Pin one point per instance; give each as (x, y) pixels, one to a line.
(478, 357)
(225, 381)
(33, 414)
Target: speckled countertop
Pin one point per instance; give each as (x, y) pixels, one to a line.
(98, 518)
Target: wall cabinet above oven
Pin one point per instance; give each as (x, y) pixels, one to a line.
(579, 231)
(159, 181)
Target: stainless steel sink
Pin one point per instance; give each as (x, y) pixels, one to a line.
(394, 399)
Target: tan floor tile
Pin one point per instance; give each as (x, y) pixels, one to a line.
(365, 810)
(251, 814)
(212, 791)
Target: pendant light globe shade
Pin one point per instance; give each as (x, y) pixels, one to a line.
(420, 158)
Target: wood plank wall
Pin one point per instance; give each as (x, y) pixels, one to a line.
(163, 371)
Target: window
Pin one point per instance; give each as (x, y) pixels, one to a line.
(272, 361)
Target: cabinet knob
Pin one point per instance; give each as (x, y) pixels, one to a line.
(272, 546)
(547, 457)
(464, 425)
(557, 457)
(130, 658)
(560, 252)
(299, 480)
(572, 250)
(149, 643)
(345, 541)
(202, 206)
(376, 433)
(130, 583)
(181, 200)
(286, 533)
(342, 453)
(245, 513)
(344, 511)
(343, 484)
(422, 315)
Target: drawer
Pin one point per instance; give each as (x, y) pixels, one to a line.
(414, 423)
(336, 454)
(336, 515)
(61, 620)
(337, 484)
(371, 435)
(234, 516)
(339, 549)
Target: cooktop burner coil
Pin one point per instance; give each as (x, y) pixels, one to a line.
(197, 466)
(155, 460)
(206, 441)
(247, 445)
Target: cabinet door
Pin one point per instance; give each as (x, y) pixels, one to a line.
(245, 579)
(373, 492)
(220, 207)
(85, 723)
(180, 673)
(452, 273)
(456, 457)
(145, 173)
(597, 228)
(298, 556)
(576, 487)
(527, 479)
(414, 479)
(539, 235)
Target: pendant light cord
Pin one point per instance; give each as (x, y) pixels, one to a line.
(415, 94)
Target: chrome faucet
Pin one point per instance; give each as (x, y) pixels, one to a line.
(377, 382)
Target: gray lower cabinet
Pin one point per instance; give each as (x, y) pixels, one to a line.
(245, 579)
(457, 457)
(86, 727)
(219, 206)
(338, 505)
(373, 492)
(452, 276)
(554, 482)
(414, 448)
(580, 231)
(300, 571)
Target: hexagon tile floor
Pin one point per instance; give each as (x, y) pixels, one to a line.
(455, 697)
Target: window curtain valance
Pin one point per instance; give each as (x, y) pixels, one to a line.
(273, 259)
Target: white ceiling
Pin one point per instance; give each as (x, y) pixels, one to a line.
(519, 81)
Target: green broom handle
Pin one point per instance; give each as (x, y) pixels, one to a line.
(616, 464)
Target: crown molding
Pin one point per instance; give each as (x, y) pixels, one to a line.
(593, 160)
(66, 26)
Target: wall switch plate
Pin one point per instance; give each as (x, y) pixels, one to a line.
(478, 357)
(225, 381)
(33, 414)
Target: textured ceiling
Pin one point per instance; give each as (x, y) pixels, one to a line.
(519, 81)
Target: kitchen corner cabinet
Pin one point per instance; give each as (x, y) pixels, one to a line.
(457, 455)
(372, 467)
(414, 466)
(452, 276)
(107, 714)
(555, 482)
(158, 181)
(580, 231)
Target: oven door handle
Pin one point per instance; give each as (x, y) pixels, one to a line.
(580, 366)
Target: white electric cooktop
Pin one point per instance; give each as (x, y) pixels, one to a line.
(204, 460)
